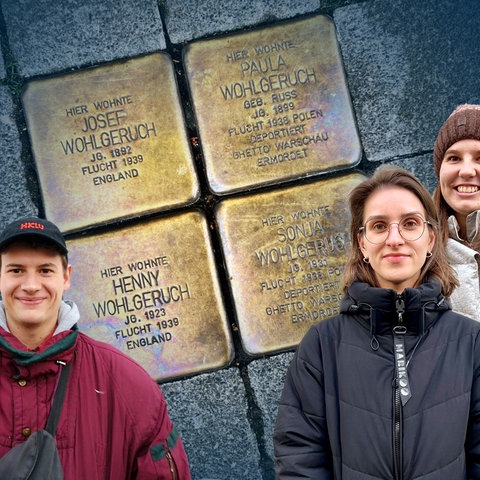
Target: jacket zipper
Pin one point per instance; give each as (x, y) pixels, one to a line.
(171, 464)
(397, 433)
(401, 387)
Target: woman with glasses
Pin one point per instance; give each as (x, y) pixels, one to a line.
(456, 160)
(389, 388)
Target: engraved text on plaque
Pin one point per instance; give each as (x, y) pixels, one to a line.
(272, 105)
(110, 142)
(152, 291)
(285, 252)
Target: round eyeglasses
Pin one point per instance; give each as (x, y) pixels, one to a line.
(410, 228)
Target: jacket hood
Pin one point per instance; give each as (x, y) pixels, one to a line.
(377, 307)
(68, 316)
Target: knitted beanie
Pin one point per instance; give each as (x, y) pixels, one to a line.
(463, 123)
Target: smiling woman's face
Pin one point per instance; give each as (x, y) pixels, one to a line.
(396, 262)
(459, 178)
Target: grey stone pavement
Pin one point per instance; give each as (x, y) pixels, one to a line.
(407, 63)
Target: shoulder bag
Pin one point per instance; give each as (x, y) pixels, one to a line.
(37, 458)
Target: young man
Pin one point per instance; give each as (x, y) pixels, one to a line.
(114, 422)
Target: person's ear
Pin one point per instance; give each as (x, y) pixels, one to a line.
(67, 273)
(432, 239)
(361, 243)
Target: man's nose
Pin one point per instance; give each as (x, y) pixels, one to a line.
(30, 282)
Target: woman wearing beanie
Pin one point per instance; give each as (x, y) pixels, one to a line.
(456, 159)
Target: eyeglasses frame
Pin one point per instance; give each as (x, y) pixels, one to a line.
(362, 230)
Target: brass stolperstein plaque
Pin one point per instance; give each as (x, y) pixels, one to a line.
(272, 105)
(110, 142)
(152, 291)
(285, 253)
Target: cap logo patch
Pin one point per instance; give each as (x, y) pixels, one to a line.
(32, 225)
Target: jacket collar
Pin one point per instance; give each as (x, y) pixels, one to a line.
(63, 340)
(61, 347)
(377, 307)
(473, 228)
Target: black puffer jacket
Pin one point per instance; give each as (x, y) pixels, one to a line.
(340, 414)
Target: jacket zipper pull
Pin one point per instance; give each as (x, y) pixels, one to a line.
(401, 375)
(400, 307)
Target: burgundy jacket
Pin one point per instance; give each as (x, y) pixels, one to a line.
(114, 424)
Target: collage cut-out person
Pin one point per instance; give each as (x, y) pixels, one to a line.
(456, 160)
(114, 422)
(389, 388)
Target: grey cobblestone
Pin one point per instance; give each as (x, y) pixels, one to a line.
(2, 66)
(193, 19)
(408, 65)
(267, 376)
(211, 413)
(47, 37)
(15, 197)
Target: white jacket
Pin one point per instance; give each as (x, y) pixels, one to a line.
(466, 263)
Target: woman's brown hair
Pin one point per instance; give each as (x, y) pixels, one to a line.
(444, 211)
(435, 267)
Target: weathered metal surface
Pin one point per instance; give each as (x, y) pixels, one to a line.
(110, 142)
(272, 105)
(285, 253)
(152, 291)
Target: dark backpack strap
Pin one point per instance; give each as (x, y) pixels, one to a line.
(57, 404)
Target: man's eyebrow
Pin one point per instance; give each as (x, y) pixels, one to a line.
(13, 265)
(42, 265)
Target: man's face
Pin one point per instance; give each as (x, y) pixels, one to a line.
(32, 282)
